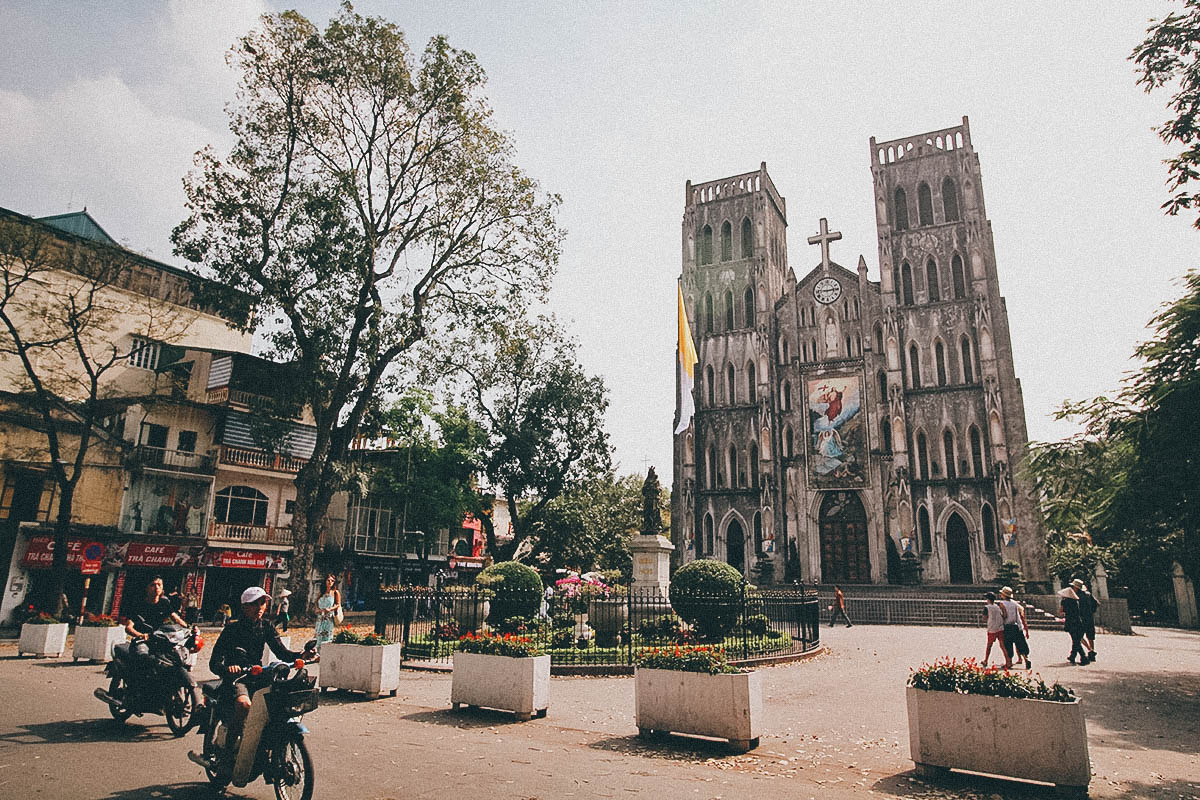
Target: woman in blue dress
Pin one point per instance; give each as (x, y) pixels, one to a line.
(328, 606)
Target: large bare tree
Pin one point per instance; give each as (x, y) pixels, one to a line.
(368, 203)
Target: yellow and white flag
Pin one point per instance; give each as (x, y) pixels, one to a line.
(687, 369)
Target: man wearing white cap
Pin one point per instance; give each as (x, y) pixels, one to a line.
(240, 647)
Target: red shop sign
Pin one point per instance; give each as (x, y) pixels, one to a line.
(40, 552)
(242, 559)
(141, 554)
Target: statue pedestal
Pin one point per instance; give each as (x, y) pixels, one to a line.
(651, 563)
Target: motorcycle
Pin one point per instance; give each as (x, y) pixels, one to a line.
(272, 744)
(151, 684)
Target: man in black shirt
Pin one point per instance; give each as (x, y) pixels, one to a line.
(240, 647)
(154, 611)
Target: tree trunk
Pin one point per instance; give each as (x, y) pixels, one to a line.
(314, 493)
(62, 530)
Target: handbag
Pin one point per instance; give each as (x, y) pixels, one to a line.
(337, 612)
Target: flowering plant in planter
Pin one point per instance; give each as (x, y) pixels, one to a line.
(348, 636)
(490, 644)
(43, 618)
(447, 631)
(684, 658)
(98, 621)
(969, 677)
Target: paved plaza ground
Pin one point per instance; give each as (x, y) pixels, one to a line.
(835, 728)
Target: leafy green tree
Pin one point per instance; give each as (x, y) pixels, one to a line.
(368, 203)
(1170, 57)
(543, 416)
(590, 526)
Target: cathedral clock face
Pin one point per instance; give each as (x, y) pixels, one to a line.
(827, 290)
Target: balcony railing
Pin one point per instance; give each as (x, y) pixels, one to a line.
(260, 459)
(222, 395)
(164, 525)
(263, 534)
(173, 460)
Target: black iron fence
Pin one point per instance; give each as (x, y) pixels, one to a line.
(602, 630)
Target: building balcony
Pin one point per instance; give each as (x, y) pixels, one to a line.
(259, 459)
(258, 534)
(160, 458)
(224, 395)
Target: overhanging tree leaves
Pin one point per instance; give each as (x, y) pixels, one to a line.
(1170, 56)
(367, 204)
(590, 526)
(542, 413)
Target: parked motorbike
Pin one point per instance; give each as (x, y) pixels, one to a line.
(152, 685)
(272, 743)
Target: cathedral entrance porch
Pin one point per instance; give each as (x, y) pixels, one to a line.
(845, 555)
(958, 550)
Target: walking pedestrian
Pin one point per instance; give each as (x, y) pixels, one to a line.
(995, 630)
(1016, 627)
(283, 609)
(1072, 622)
(839, 607)
(1088, 605)
(328, 608)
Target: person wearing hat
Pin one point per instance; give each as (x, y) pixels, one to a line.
(240, 647)
(282, 607)
(1016, 627)
(1072, 621)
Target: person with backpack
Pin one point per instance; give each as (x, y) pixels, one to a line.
(1016, 627)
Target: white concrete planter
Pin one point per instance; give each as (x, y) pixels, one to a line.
(43, 640)
(96, 644)
(722, 706)
(519, 685)
(268, 656)
(1032, 739)
(361, 668)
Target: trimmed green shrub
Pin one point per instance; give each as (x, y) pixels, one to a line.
(518, 590)
(756, 624)
(708, 595)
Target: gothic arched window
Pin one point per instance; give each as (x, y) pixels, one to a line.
(878, 338)
(924, 204)
(751, 383)
(914, 366)
(730, 385)
(753, 465)
(789, 448)
(950, 200)
(728, 310)
(968, 373)
(922, 456)
(900, 207)
(956, 273)
(882, 377)
(747, 238)
(948, 450)
(710, 378)
(708, 314)
(926, 533)
(706, 542)
(885, 435)
(241, 505)
(736, 477)
(939, 354)
(726, 241)
(931, 281)
(906, 282)
(748, 305)
(976, 452)
(706, 252)
(758, 532)
(787, 396)
(989, 529)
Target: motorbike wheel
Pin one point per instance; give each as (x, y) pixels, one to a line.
(179, 710)
(293, 770)
(119, 714)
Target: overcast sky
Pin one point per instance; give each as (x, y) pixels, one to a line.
(615, 105)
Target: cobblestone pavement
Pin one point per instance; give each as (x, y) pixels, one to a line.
(835, 727)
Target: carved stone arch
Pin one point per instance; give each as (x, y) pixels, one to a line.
(762, 367)
(987, 350)
(977, 269)
(689, 452)
(893, 353)
(762, 297)
(764, 444)
(898, 445)
(995, 429)
(951, 507)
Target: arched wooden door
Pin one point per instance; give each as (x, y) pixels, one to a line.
(735, 546)
(958, 550)
(844, 551)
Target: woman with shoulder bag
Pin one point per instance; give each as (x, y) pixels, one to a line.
(329, 611)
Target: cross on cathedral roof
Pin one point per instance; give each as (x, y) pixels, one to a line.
(824, 238)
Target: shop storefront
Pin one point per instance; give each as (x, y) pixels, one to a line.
(227, 573)
(39, 589)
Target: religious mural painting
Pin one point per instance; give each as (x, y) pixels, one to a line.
(837, 433)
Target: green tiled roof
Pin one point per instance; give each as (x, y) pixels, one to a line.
(79, 223)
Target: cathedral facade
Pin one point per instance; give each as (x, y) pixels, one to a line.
(848, 430)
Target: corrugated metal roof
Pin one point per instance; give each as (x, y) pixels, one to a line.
(299, 441)
(79, 223)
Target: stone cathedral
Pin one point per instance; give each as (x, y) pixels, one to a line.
(848, 429)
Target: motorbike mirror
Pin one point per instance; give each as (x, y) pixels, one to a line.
(311, 644)
(256, 670)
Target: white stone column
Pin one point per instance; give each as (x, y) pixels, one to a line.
(651, 563)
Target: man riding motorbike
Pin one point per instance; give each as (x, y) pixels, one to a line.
(154, 611)
(240, 647)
